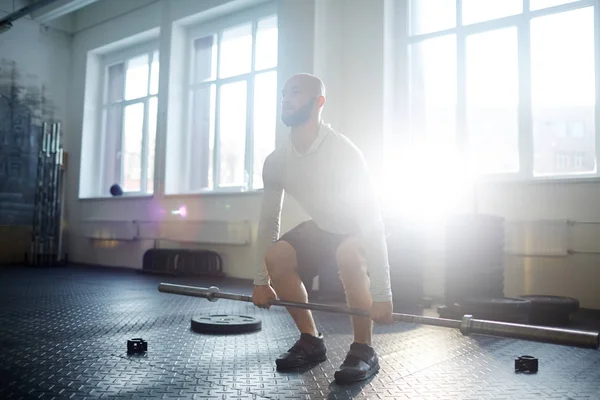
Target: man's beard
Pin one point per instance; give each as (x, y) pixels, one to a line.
(299, 117)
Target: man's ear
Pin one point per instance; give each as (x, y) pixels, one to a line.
(320, 101)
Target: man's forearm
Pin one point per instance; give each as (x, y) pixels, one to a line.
(268, 231)
(378, 264)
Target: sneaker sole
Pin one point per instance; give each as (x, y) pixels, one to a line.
(367, 375)
(313, 361)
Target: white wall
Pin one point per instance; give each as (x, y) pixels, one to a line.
(106, 22)
(344, 42)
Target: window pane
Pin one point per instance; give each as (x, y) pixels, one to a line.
(116, 82)
(265, 121)
(136, 84)
(154, 71)
(236, 51)
(152, 120)
(563, 95)
(433, 95)
(132, 148)
(492, 100)
(232, 134)
(432, 15)
(202, 139)
(205, 59)
(266, 44)
(112, 145)
(484, 10)
(539, 4)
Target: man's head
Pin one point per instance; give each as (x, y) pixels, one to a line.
(303, 98)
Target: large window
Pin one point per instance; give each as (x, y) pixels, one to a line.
(129, 115)
(507, 84)
(232, 104)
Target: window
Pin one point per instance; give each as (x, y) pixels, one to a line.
(509, 84)
(129, 114)
(232, 104)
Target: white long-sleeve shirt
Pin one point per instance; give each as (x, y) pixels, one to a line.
(331, 182)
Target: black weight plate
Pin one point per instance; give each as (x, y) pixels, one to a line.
(546, 303)
(554, 318)
(502, 304)
(225, 324)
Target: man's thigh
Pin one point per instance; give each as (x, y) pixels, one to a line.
(315, 249)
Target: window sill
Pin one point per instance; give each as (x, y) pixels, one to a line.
(537, 181)
(123, 197)
(208, 193)
(212, 193)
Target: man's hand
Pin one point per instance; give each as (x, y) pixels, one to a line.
(262, 296)
(382, 312)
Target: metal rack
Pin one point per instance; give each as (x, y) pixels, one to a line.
(46, 240)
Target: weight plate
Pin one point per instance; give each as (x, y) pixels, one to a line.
(225, 324)
(547, 303)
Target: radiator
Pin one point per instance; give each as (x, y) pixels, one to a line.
(190, 231)
(548, 238)
(184, 231)
(101, 229)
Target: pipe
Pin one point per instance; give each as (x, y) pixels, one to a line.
(6, 22)
(468, 325)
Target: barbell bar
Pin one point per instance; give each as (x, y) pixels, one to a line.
(467, 326)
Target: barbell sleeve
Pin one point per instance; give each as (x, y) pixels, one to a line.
(467, 326)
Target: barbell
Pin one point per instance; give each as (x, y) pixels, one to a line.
(467, 326)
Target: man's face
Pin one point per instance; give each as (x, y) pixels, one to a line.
(297, 104)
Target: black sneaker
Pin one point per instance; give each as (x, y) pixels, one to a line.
(361, 362)
(307, 350)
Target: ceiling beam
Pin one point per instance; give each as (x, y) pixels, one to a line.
(58, 9)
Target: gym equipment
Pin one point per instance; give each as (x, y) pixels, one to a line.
(474, 257)
(136, 346)
(115, 190)
(182, 262)
(467, 326)
(505, 309)
(526, 364)
(46, 240)
(551, 310)
(225, 324)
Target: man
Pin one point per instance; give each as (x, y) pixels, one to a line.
(328, 177)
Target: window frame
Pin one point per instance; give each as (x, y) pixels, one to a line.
(521, 22)
(216, 27)
(123, 55)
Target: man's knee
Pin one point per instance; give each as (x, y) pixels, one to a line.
(280, 259)
(351, 261)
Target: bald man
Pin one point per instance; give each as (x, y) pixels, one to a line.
(328, 176)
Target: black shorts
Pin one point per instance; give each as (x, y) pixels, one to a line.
(315, 251)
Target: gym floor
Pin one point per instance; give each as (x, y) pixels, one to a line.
(64, 332)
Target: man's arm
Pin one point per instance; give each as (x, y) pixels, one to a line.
(363, 200)
(270, 214)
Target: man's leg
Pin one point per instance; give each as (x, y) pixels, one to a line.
(282, 265)
(361, 361)
(289, 262)
(353, 273)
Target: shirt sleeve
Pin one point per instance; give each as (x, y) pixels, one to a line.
(363, 201)
(270, 217)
